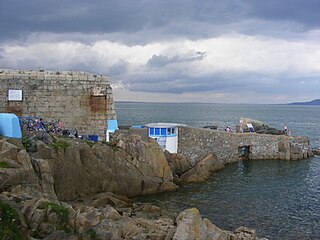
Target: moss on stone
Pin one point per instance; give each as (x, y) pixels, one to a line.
(60, 144)
(90, 143)
(4, 164)
(10, 227)
(61, 211)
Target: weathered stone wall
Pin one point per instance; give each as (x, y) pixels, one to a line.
(196, 143)
(142, 132)
(82, 101)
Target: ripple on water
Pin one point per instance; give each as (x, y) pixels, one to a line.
(280, 199)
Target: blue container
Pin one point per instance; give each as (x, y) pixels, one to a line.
(10, 125)
(93, 138)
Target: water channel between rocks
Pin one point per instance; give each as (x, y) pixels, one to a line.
(280, 199)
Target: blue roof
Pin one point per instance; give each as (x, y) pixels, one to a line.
(10, 125)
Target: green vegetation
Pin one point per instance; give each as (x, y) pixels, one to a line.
(60, 144)
(10, 227)
(26, 142)
(61, 214)
(61, 211)
(90, 143)
(4, 164)
(92, 234)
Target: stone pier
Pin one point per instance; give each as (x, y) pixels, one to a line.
(196, 143)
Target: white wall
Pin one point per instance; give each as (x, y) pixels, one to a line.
(172, 144)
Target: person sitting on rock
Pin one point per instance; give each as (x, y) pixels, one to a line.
(42, 126)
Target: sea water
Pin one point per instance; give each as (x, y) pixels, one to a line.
(280, 199)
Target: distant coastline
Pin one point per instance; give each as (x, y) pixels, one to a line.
(315, 102)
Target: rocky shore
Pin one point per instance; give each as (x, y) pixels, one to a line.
(73, 189)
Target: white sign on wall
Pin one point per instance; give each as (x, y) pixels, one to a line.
(14, 95)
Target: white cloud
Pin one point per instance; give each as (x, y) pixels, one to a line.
(245, 61)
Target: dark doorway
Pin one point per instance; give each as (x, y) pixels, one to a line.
(244, 152)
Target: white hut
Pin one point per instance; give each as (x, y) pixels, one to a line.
(166, 135)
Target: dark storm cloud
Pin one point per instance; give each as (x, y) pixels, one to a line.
(1, 52)
(225, 82)
(170, 46)
(175, 82)
(24, 17)
(119, 68)
(188, 18)
(162, 60)
(305, 12)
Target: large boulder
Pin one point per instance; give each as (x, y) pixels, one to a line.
(179, 163)
(202, 170)
(244, 233)
(191, 226)
(316, 152)
(128, 167)
(15, 165)
(260, 127)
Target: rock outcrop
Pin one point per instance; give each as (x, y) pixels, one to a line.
(52, 220)
(128, 167)
(37, 185)
(178, 163)
(260, 127)
(316, 152)
(16, 169)
(191, 226)
(293, 151)
(202, 170)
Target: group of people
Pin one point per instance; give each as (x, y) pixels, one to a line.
(286, 130)
(38, 124)
(251, 129)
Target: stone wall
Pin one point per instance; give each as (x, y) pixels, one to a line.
(142, 132)
(82, 101)
(196, 143)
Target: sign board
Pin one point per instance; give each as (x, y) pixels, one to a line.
(14, 95)
(249, 125)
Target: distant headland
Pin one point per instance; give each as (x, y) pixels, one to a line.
(313, 102)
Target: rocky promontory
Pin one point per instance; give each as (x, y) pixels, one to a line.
(74, 189)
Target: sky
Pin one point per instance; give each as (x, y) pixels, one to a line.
(219, 51)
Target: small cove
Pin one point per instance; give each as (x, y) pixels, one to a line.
(280, 199)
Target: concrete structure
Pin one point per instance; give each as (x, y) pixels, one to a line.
(82, 101)
(196, 143)
(166, 135)
(10, 125)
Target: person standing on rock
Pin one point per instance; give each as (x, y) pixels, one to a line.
(36, 124)
(241, 125)
(59, 126)
(42, 126)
